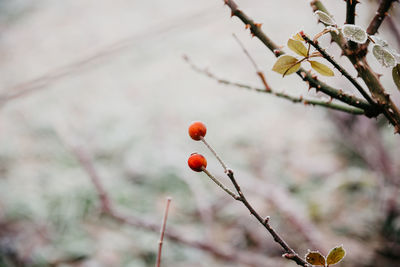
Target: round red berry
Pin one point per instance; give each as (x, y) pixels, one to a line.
(197, 130)
(197, 162)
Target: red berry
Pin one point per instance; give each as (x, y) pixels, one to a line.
(197, 162)
(197, 130)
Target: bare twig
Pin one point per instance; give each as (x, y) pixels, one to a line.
(214, 153)
(162, 232)
(215, 180)
(258, 71)
(289, 252)
(305, 101)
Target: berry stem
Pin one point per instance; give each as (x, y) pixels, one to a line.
(215, 154)
(215, 180)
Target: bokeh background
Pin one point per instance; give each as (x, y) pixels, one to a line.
(107, 79)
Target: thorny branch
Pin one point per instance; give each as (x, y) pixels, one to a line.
(381, 13)
(359, 61)
(305, 101)
(313, 82)
(339, 68)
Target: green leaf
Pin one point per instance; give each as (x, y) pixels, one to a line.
(315, 258)
(325, 18)
(298, 37)
(321, 68)
(354, 33)
(396, 75)
(297, 47)
(383, 56)
(335, 255)
(286, 65)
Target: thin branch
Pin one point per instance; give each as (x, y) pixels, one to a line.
(339, 68)
(215, 180)
(85, 161)
(246, 52)
(214, 153)
(289, 252)
(313, 82)
(162, 232)
(350, 18)
(288, 207)
(258, 71)
(326, 104)
(381, 13)
(226, 254)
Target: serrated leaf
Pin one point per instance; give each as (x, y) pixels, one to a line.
(335, 255)
(321, 68)
(396, 75)
(325, 18)
(298, 37)
(297, 47)
(315, 258)
(286, 65)
(354, 33)
(383, 56)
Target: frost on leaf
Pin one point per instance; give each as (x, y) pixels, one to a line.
(396, 75)
(325, 18)
(395, 54)
(297, 47)
(354, 33)
(379, 41)
(315, 258)
(335, 255)
(383, 56)
(286, 65)
(321, 68)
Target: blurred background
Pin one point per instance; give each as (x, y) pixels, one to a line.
(99, 90)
